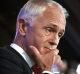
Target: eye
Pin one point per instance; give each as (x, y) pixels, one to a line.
(60, 34)
(49, 29)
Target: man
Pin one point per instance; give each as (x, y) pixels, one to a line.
(40, 25)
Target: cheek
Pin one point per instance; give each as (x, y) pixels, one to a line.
(40, 36)
(40, 42)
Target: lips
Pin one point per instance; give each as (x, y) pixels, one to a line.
(52, 47)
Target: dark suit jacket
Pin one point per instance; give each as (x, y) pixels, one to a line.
(11, 62)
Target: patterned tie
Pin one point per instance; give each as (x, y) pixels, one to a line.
(36, 69)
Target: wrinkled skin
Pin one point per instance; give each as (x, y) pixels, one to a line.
(42, 37)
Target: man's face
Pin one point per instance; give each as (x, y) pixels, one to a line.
(47, 30)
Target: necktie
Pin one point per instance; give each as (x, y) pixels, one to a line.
(36, 69)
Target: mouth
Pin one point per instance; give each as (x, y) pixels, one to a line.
(51, 47)
(47, 49)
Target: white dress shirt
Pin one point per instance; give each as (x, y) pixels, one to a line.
(23, 54)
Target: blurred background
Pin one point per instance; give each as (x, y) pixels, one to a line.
(69, 45)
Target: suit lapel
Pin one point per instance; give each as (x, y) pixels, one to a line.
(19, 58)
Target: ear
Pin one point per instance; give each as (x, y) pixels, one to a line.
(22, 27)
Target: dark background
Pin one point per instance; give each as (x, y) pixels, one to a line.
(69, 45)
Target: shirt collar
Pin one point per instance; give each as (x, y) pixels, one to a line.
(23, 54)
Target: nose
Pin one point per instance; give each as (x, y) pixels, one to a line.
(54, 39)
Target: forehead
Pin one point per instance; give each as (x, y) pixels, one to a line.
(53, 16)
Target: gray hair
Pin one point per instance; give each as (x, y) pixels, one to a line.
(34, 8)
